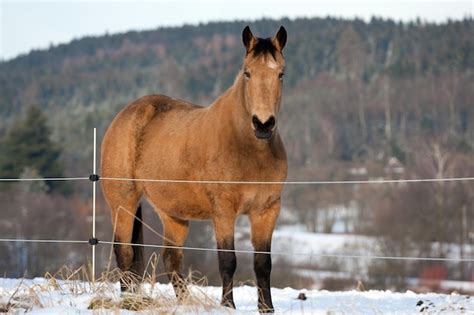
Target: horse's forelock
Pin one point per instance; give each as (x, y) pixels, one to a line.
(264, 46)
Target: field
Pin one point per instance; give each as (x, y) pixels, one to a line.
(46, 296)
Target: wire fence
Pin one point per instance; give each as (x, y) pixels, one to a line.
(93, 241)
(42, 179)
(231, 182)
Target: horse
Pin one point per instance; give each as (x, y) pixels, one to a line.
(233, 139)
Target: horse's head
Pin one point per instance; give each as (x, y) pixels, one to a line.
(263, 70)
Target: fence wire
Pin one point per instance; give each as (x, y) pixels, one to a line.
(232, 182)
(279, 253)
(22, 240)
(42, 179)
(243, 251)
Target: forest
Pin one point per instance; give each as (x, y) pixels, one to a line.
(362, 100)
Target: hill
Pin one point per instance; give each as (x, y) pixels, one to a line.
(85, 82)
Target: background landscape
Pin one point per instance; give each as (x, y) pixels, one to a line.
(362, 100)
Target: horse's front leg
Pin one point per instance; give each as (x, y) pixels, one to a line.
(262, 223)
(175, 231)
(224, 229)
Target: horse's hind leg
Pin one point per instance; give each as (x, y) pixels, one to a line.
(130, 258)
(127, 227)
(175, 231)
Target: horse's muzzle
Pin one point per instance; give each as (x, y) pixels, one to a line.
(263, 131)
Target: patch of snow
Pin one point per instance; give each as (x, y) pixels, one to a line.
(358, 171)
(65, 300)
(446, 285)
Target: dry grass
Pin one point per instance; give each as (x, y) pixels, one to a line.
(104, 292)
(148, 297)
(22, 298)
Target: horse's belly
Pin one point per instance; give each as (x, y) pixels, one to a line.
(201, 202)
(179, 201)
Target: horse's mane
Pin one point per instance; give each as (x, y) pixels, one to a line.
(264, 46)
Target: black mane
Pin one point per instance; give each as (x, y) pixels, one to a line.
(264, 46)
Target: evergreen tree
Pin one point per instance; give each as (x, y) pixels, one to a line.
(27, 145)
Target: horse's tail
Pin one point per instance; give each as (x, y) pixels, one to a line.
(137, 238)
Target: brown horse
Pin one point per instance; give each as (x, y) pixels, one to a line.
(234, 139)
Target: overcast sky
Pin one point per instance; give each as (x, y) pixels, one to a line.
(26, 25)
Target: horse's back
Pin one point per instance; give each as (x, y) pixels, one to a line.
(122, 140)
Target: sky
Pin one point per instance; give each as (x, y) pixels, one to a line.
(36, 24)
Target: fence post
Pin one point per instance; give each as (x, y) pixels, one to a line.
(94, 179)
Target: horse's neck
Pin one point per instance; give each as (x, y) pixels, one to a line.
(229, 115)
(233, 96)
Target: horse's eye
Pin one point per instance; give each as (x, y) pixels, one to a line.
(280, 75)
(247, 74)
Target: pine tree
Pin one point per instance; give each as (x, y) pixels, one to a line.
(27, 145)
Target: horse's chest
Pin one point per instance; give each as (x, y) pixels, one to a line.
(244, 198)
(248, 197)
(247, 167)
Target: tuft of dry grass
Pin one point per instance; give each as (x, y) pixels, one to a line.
(146, 296)
(131, 303)
(22, 298)
(105, 294)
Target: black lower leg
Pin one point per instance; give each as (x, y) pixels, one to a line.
(227, 266)
(179, 286)
(263, 268)
(137, 238)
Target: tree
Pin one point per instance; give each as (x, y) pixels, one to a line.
(351, 57)
(27, 146)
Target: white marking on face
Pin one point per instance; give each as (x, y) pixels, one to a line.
(272, 64)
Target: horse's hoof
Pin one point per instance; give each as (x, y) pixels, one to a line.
(182, 294)
(228, 303)
(134, 289)
(264, 309)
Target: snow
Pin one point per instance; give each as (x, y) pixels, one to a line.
(42, 296)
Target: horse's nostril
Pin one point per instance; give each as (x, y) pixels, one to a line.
(256, 122)
(268, 125)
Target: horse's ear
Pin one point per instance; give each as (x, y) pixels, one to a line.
(279, 40)
(248, 39)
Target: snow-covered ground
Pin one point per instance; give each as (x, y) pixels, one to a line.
(41, 296)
